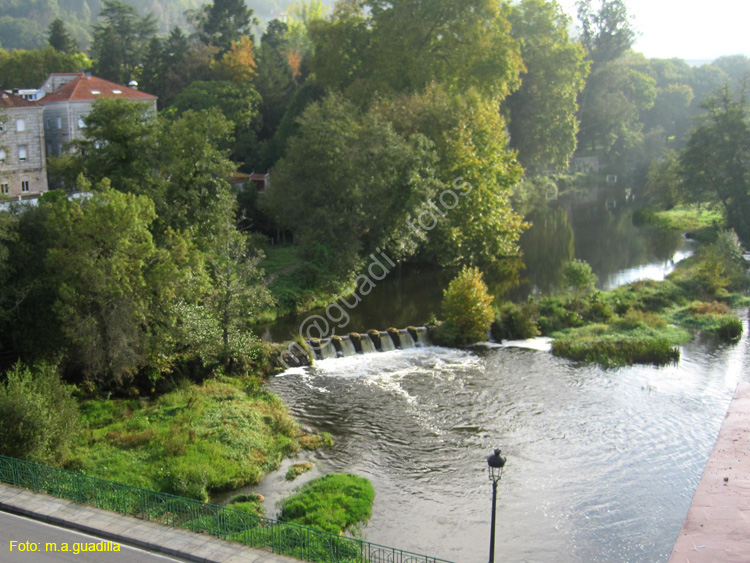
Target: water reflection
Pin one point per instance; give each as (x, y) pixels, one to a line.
(618, 251)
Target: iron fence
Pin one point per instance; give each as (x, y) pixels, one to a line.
(222, 522)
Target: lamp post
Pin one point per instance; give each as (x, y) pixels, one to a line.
(496, 463)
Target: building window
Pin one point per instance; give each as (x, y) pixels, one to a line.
(2, 126)
(20, 125)
(59, 122)
(49, 123)
(2, 155)
(49, 149)
(24, 185)
(5, 188)
(81, 122)
(22, 153)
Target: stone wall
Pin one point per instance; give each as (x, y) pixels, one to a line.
(13, 172)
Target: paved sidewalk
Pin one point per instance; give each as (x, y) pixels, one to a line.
(717, 527)
(149, 536)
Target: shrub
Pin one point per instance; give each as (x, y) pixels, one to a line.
(730, 329)
(579, 278)
(467, 307)
(39, 417)
(513, 322)
(334, 503)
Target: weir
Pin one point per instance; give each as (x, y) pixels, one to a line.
(369, 343)
(386, 343)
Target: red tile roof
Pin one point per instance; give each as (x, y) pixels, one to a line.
(8, 100)
(87, 88)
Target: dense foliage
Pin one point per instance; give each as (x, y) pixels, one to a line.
(39, 418)
(467, 308)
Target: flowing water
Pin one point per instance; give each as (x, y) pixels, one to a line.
(602, 464)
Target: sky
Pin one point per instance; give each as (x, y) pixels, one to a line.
(688, 29)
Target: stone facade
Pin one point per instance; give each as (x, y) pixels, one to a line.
(22, 149)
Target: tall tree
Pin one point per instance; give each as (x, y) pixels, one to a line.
(607, 32)
(120, 39)
(716, 162)
(347, 186)
(543, 122)
(224, 21)
(404, 45)
(60, 39)
(479, 226)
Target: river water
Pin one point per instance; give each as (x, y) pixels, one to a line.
(602, 464)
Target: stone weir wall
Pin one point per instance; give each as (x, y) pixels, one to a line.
(370, 342)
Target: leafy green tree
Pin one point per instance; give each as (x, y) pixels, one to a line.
(239, 104)
(467, 307)
(106, 273)
(543, 122)
(347, 186)
(237, 295)
(716, 161)
(173, 63)
(404, 45)
(479, 226)
(607, 32)
(579, 279)
(120, 41)
(120, 144)
(59, 38)
(275, 80)
(24, 69)
(615, 96)
(664, 180)
(39, 417)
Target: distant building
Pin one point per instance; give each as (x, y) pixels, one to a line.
(586, 164)
(70, 97)
(22, 155)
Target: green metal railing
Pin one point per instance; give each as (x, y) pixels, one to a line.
(255, 531)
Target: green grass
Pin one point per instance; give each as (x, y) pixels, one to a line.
(622, 343)
(298, 469)
(710, 318)
(691, 217)
(279, 257)
(335, 503)
(218, 436)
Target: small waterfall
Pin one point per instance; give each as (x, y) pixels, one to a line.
(367, 346)
(347, 347)
(406, 340)
(422, 339)
(386, 342)
(327, 349)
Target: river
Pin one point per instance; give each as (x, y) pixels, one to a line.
(602, 464)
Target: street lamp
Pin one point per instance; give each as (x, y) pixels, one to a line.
(496, 463)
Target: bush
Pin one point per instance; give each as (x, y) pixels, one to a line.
(579, 278)
(334, 503)
(39, 417)
(467, 307)
(513, 322)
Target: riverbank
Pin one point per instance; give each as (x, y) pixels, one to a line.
(717, 526)
(200, 438)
